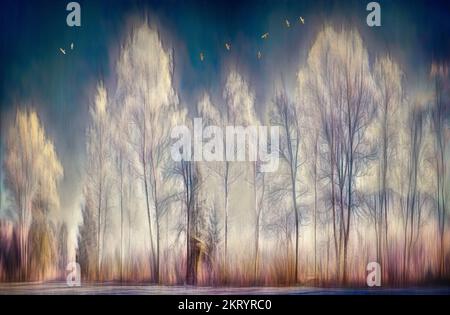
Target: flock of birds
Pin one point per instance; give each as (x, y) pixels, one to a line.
(264, 36)
(63, 51)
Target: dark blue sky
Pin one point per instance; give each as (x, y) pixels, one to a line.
(33, 71)
(32, 31)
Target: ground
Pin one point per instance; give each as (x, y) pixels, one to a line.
(112, 288)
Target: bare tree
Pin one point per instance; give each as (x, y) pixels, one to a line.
(239, 102)
(388, 78)
(415, 130)
(98, 183)
(241, 111)
(342, 87)
(285, 114)
(123, 167)
(211, 116)
(145, 71)
(438, 113)
(87, 240)
(189, 173)
(311, 120)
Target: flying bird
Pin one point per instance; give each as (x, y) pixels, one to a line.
(287, 23)
(227, 46)
(302, 20)
(71, 46)
(62, 50)
(265, 36)
(202, 57)
(259, 55)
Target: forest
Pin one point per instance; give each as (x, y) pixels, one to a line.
(363, 176)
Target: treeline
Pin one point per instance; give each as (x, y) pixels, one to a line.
(363, 176)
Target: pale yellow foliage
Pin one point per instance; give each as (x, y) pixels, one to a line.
(240, 100)
(32, 167)
(208, 111)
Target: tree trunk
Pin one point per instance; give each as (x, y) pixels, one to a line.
(226, 219)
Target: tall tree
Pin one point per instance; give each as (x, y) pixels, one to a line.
(239, 111)
(98, 185)
(32, 173)
(415, 122)
(145, 75)
(388, 78)
(439, 112)
(343, 89)
(285, 115)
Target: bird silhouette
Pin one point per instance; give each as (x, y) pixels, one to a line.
(265, 36)
(202, 57)
(62, 50)
(259, 55)
(71, 46)
(302, 20)
(227, 46)
(287, 23)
